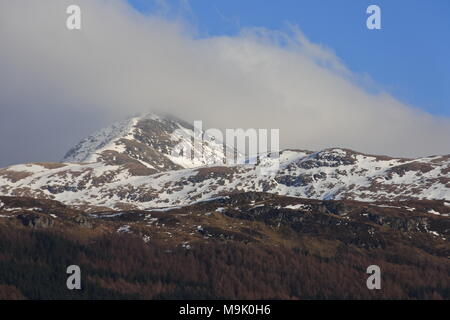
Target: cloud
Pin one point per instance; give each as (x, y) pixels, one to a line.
(57, 86)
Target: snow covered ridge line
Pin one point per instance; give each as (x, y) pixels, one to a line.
(329, 174)
(105, 139)
(132, 166)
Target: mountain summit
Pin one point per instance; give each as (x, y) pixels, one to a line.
(145, 143)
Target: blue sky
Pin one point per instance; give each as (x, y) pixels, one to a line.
(409, 57)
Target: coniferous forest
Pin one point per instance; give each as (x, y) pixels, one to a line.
(33, 265)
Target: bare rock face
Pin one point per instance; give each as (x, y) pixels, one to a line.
(36, 220)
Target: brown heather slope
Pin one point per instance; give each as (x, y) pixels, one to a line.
(245, 246)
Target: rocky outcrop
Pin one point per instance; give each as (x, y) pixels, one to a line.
(36, 220)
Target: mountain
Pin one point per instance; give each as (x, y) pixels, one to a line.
(145, 221)
(146, 144)
(132, 165)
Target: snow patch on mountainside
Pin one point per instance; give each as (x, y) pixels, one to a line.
(106, 139)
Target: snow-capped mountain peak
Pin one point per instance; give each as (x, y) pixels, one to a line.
(148, 141)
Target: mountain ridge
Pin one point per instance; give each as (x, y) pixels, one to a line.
(132, 165)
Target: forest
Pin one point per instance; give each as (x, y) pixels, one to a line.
(121, 266)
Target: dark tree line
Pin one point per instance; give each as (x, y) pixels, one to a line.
(33, 265)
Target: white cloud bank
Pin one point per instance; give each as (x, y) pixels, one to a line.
(55, 84)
